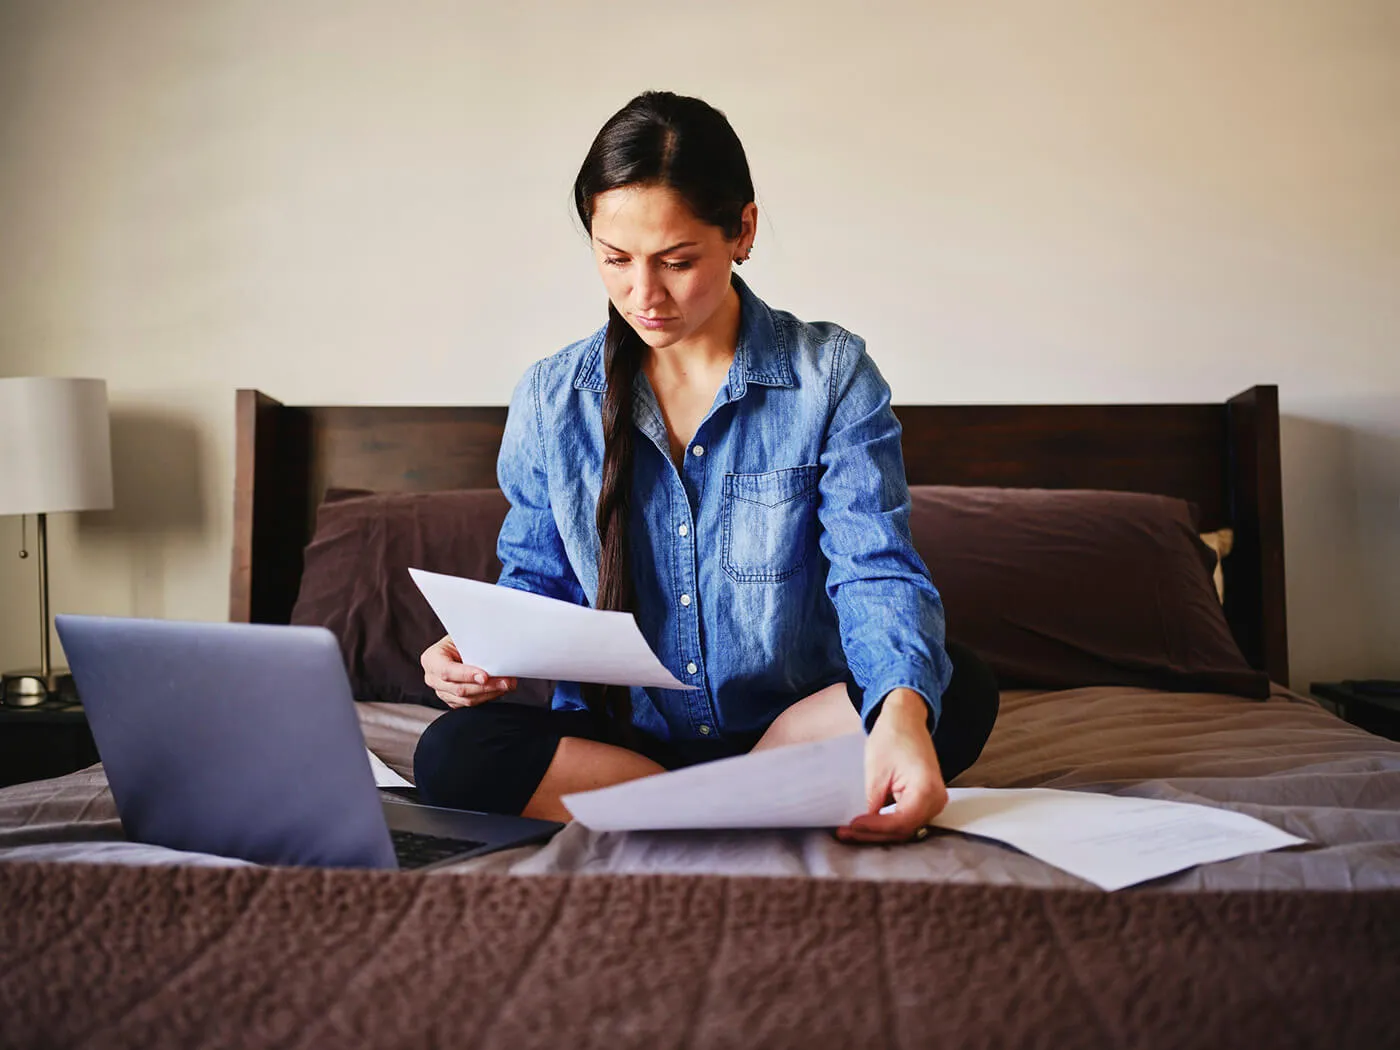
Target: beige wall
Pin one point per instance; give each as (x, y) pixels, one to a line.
(1013, 201)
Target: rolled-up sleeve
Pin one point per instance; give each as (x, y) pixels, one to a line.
(529, 547)
(890, 614)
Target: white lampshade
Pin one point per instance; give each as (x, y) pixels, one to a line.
(55, 446)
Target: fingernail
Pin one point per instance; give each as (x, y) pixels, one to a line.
(481, 679)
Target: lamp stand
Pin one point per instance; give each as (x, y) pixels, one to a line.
(30, 687)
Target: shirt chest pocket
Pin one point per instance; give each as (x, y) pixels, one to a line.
(769, 522)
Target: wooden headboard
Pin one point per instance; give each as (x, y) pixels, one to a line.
(1222, 457)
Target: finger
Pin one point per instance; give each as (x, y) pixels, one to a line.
(896, 826)
(878, 782)
(467, 686)
(912, 812)
(856, 835)
(494, 688)
(858, 832)
(461, 673)
(443, 652)
(853, 837)
(441, 685)
(939, 801)
(877, 800)
(453, 699)
(499, 685)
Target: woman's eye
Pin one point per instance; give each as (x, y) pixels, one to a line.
(682, 264)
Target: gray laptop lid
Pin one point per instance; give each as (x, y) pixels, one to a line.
(234, 739)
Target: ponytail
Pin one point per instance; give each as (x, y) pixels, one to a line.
(622, 356)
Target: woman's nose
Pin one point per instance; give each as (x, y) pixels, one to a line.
(648, 291)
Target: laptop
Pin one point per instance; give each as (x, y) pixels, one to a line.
(241, 740)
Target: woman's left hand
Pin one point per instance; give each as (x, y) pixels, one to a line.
(900, 764)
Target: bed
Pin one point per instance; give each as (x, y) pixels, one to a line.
(761, 938)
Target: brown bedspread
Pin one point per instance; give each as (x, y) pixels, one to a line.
(193, 957)
(1284, 760)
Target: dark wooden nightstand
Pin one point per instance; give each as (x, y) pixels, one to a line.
(44, 741)
(1375, 712)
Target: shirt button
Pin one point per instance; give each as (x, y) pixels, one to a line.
(697, 450)
(685, 599)
(684, 530)
(691, 668)
(705, 730)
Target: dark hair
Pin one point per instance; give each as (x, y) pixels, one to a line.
(686, 145)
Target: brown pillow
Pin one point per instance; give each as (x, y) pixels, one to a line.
(1054, 588)
(355, 580)
(1064, 588)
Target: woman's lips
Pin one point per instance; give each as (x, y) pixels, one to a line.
(653, 322)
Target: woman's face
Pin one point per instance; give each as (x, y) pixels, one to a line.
(666, 272)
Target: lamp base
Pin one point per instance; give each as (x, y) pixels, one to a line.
(28, 688)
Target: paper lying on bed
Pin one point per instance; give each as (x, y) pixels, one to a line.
(511, 633)
(1108, 840)
(1105, 839)
(384, 777)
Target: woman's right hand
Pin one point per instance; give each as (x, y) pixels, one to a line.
(458, 684)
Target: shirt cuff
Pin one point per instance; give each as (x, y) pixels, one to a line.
(920, 680)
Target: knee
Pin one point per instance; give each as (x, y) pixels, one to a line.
(973, 686)
(432, 755)
(443, 771)
(970, 706)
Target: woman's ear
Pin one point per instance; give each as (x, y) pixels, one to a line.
(750, 223)
(747, 231)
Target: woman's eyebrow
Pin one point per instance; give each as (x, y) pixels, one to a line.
(663, 251)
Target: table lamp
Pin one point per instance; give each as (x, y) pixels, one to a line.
(55, 455)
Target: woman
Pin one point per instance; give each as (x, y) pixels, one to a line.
(732, 477)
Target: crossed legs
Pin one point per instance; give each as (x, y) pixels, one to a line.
(507, 758)
(581, 765)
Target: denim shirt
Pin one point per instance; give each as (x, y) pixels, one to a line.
(775, 561)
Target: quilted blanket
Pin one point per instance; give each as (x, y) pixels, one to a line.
(119, 956)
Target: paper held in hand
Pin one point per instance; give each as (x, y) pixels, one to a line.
(803, 786)
(515, 634)
(1108, 840)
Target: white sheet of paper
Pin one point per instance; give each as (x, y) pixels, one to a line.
(802, 786)
(384, 777)
(1108, 840)
(511, 633)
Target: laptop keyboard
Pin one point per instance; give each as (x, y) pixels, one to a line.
(415, 850)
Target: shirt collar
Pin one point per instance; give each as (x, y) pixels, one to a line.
(761, 355)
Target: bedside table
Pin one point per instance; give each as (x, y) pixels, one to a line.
(1376, 713)
(43, 741)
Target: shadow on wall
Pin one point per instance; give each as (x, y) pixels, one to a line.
(1376, 458)
(158, 497)
(1341, 504)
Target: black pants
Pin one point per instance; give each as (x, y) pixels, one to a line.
(491, 758)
